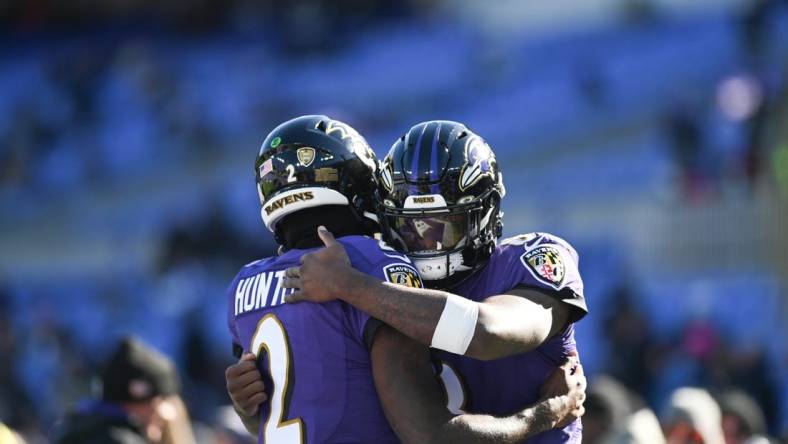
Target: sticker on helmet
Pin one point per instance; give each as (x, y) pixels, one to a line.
(403, 274)
(275, 143)
(326, 175)
(545, 263)
(266, 168)
(306, 155)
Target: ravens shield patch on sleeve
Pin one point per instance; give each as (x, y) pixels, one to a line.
(403, 274)
(545, 263)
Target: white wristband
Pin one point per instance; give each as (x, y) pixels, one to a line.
(456, 326)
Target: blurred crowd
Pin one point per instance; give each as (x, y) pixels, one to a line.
(700, 386)
(127, 129)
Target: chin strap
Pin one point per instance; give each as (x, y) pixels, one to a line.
(367, 219)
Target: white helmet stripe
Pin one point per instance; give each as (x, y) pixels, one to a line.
(290, 201)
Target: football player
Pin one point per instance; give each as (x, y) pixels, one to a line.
(505, 320)
(322, 363)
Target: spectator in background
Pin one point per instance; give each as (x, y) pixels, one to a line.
(693, 416)
(139, 402)
(16, 408)
(641, 427)
(752, 24)
(749, 369)
(615, 415)
(743, 421)
(229, 429)
(607, 406)
(684, 131)
(630, 341)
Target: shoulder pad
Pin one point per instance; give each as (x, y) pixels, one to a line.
(530, 240)
(521, 239)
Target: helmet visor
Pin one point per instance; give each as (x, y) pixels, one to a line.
(430, 234)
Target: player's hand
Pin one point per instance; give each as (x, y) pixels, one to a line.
(245, 385)
(567, 386)
(322, 274)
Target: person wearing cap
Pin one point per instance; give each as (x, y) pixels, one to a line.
(138, 404)
(692, 416)
(743, 421)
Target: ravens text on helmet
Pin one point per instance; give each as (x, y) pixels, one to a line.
(287, 200)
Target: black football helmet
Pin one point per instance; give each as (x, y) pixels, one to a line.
(315, 160)
(440, 192)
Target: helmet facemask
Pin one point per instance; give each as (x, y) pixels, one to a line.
(444, 243)
(440, 191)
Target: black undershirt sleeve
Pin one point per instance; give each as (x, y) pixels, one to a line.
(576, 302)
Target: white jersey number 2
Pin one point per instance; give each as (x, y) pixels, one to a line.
(271, 335)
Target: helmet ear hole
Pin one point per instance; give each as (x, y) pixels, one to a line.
(278, 236)
(359, 204)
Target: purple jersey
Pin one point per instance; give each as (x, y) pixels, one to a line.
(316, 364)
(503, 386)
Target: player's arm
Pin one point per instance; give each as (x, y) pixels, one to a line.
(247, 391)
(501, 325)
(415, 406)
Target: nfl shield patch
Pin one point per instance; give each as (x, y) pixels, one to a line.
(545, 263)
(305, 155)
(403, 274)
